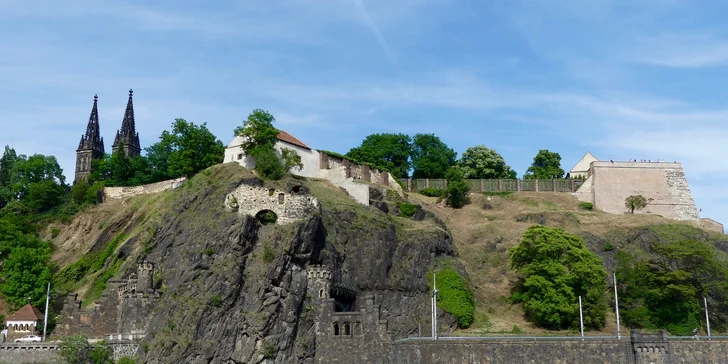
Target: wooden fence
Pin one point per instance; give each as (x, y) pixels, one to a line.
(499, 185)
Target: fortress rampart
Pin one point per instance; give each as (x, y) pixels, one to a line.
(610, 183)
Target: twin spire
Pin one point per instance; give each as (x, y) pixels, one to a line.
(91, 146)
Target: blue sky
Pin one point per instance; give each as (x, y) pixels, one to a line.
(622, 79)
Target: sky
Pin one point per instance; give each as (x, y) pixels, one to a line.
(621, 79)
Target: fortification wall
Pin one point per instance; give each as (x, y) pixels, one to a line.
(47, 353)
(456, 352)
(345, 174)
(664, 183)
(116, 193)
(699, 351)
(712, 225)
(288, 206)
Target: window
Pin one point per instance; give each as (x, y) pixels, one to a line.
(281, 198)
(240, 156)
(336, 329)
(321, 293)
(347, 329)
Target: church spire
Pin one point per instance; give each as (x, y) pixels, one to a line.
(127, 135)
(91, 145)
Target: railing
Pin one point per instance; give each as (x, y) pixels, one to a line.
(498, 185)
(550, 338)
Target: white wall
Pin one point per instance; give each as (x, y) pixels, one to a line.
(309, 157)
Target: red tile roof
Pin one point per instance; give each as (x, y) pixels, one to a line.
(290, 139)
(26, 313)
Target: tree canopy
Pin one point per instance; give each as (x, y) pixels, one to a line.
(191, 148)
(481, 162)
(556, 268)
(258, 132)
(389, 152)
(431, 158)
(546, 165)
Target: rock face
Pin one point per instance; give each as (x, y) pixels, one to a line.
(236, 291)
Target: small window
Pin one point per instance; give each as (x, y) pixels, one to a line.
(240, 156)
(321, 293)
(347, 329)
(281, 198)
(336, 329)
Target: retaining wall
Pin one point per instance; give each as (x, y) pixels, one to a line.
(116, 193)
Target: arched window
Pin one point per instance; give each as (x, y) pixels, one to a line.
(321, 293)
(357, 328)
(281, 198)
(347, 329)
(336, 329)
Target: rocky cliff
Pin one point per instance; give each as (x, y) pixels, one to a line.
(234, 290)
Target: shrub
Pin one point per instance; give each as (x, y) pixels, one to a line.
(268, 253)
(217, 301)
(456, 194)
(54, 232)
(608, 247)
(268, 165)
(407, 209)
(266, 217)
(586, 206)
(455, 296)
(209, 251)
(431, 192)
(636, 202)
(126, 360)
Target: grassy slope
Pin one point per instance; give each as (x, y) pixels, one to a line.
(483, 236)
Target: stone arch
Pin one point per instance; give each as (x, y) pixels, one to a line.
(357, 328)
(266, 216)
(321, 293)
(347, 329)
(336, 329)
(296, 189)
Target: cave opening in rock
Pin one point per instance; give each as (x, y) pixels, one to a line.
(266, 217)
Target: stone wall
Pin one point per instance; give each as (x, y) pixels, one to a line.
(289, 206)
(699, 351)
(116, 193)
(349, 176)
(712, 225)
(47, 353)
(664, 183)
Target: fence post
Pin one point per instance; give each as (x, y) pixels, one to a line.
(445, 184)
(500, 185)
(409, 184)
(482, 185)
(518, 185)
(554, 182)
(537, 185)
(427, 183)
(572, 184)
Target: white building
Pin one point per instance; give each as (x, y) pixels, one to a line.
(309, 157)
(23, 322)
(581, 169)
(354, 178)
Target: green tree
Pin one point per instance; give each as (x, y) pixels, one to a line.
(79, 190)
(120, 168)
(268, 165)
(77, 350)
(193, 148)
(546, 165)
(636, 202)
(7, 161)
(291, 159)
(390, 152)
(556, 268)
(666, 288)
(43, 196)
(25, 273)
(481, 162)
(456, 193)
(33, 169)
(258, 132)
(431, 158)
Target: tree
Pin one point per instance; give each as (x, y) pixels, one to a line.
(636, 202)
(25, 273)
(6, 166)
(258, 132)
(431, 158)
(44, 195)
(556, 268)
(390, 152)
(456, 193)
(268, 165)
(77, 350)
(291, 159)
(546, 165)
(120, 167)
(190, 148)
(481, 162)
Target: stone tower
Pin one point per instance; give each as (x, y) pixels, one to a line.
(91, 145)
(145, 271)
(127, 135)
(319, 279)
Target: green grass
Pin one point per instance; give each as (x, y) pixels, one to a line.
(455, 296)
(69, 277)
(502, 194)
(407, 209)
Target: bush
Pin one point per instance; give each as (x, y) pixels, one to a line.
(77, 349)
(456, 193)
(126, 360)
(268, 253)
(586, 206)
(431, 192)
(455, 296)
(407, 209)
(268, 165)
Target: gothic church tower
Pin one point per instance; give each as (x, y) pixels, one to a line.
(91, 145)
(127, 135)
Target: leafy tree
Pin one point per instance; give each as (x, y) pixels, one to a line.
(44, 195)
(480, 162)
(388, 152)
(546, 165)
(456, 193)
(193, 148)
(33, 169)
(120, 167)
(77, 350)
(7, 161)
(556, 268)
(431, 158)
(258, 132)
(25, 273)
(268, 165)
(79, 190)
(635, 202)
(291, 159)
(665, 289)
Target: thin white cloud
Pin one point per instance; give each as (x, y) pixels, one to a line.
(375, 30)
(681, 51)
